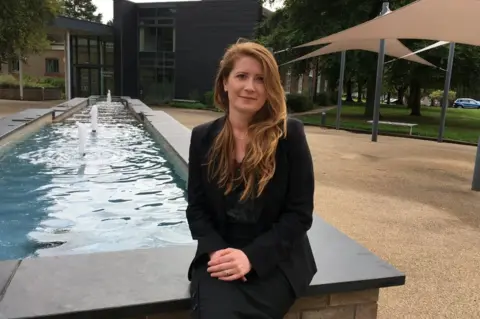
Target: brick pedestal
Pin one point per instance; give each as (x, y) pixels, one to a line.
(351, 305)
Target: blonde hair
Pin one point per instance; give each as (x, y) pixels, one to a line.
(267, 127)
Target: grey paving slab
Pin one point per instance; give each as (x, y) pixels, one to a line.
(15, 121)
(344, 264)
(176, 134)
(7, 268)
(82, 283)
(61, 285)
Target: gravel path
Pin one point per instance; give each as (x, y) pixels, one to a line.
(408, 201)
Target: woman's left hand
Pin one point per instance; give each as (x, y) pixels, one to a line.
(231, 264)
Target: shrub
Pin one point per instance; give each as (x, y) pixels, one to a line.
(299, 103)
(8, 81)
(323, 99)
(208, 99)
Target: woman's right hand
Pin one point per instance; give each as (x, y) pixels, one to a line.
(218, 254)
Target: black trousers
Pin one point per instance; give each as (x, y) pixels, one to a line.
(269, 297)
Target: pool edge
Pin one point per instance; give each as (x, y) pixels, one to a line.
(25, 126)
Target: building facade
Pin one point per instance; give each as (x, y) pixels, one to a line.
(172, 49)
(154, 51)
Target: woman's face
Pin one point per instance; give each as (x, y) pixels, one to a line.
(245, 86)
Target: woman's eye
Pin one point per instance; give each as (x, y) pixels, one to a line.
(241, 76)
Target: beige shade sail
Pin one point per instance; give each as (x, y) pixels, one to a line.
(393, 48)
(433, 46)
(440, 20)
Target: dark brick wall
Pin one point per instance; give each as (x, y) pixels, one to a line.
(126, 48)
(203, 31)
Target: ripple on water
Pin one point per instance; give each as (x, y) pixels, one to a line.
(122, 195)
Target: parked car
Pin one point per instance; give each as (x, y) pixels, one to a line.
(466, 104)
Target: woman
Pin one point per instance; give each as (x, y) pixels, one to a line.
(250, 196)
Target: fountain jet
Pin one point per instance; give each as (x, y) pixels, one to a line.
(82, 138)
(109, 98)
(94, 117)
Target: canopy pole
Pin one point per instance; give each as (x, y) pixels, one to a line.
(340, 89)
(446, 90)
(378, 83)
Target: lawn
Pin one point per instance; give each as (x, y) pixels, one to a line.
(461, 124)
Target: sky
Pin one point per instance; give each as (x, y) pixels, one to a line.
(105, 7)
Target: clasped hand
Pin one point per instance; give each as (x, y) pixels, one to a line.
(229, 264)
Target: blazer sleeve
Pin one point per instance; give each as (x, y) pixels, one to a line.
(199, 219)
(270, 248)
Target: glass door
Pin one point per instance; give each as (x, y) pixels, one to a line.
(83, 81)
(88, 82)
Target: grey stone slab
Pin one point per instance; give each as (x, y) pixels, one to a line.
(106, 281)
(177, 135)
(15, 121)
(342, 262)
(7, 268)
(67, 284)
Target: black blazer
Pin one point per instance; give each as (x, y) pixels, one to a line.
(286, 207)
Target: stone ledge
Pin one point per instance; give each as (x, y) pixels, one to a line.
(154, 281)
(315, 308)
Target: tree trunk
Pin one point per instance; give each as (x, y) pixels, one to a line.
(349, 91)
(370, 97)
(360, 90)
(415, 97)
(400, 95)
(315, 80)
(389, 96)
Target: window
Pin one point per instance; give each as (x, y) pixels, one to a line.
(288, 81)
(300, 84)
(52, 66)
(13, 66)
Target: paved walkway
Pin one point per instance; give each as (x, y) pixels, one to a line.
(13, 106)
(408, 201)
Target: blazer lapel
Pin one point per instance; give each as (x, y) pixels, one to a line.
(217, 192)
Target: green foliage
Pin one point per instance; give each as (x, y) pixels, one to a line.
(298, 103)
(81, 9)
(461, 125)
(438, 95)
(188, 105)
(9, 81)
(301, 21)
(23, 25)
(208, 99)
(323, 99)
(194, 95)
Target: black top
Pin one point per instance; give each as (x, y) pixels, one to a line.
(242, 217)
(283, 211)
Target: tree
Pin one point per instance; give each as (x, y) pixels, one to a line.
(81, 9)
(302, 21)
(23, 25)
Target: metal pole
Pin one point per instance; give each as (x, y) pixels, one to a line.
(476, 170)
(378, 83)
(20, 75)
(378, 90)
(68, 67)
(446, 89)
(340, 89)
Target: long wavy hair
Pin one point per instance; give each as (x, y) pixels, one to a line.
(264, 131)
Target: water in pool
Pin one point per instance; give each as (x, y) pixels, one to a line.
(123, 194)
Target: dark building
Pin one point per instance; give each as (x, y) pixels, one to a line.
(172, 49)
